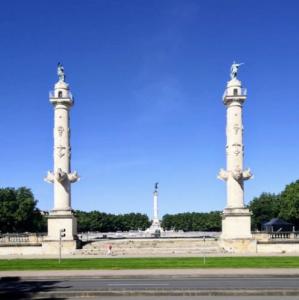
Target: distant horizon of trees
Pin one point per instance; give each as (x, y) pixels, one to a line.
(105, 222)
(192, 221)
(19, 213)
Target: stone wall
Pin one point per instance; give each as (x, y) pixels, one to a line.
(46, 248)
(278, 247)
(21, 250)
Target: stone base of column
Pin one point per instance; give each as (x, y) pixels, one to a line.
(155, 227)
(238, 245)
(67, 247)
(57, 221)
(236, 223)
(236, 234)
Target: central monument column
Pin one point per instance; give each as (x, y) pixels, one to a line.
(61, 217)
(236, 219)
(155, 228)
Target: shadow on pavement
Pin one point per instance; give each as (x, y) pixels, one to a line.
(16, 288)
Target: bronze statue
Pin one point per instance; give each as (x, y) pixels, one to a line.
(60, 72)
(234, 69)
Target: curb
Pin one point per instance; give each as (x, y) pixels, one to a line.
(48, 295)
(150, 273)
(162, 276)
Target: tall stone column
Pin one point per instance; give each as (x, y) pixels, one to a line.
(236, 219)
(61, 217)
(156, 226)
(156, 217)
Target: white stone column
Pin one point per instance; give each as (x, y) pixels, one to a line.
(156, 205)
(236, 218)
(155, 226)
(61, 217)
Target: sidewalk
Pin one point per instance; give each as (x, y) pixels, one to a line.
(169, 273)
(142, 255)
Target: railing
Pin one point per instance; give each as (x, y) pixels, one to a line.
(69, 95)
(20, 238)
(280, 235)
(284, 235)
(243, 93)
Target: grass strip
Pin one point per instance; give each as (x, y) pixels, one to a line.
(149, 263)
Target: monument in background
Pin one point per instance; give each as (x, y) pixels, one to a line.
(155, 228)
(61, 218)
(236, 219)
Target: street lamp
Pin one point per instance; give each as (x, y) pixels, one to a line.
(61, 235)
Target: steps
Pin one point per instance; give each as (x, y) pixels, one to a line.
(152, 247)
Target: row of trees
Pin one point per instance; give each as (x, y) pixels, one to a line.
(99, 221)
(210, 221)
(18, 213)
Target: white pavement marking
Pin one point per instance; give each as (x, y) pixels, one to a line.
(140, 284)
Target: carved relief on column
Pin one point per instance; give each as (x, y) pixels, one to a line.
(60, 130)
(61, 151)
(236, 128)
(237, 149)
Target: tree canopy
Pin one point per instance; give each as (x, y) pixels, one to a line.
(210, 221)
(264, 208)
(18, 211)
(284, 205)
(289, 210)
(99, 221)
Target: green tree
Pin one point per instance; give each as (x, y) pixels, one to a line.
(290, 203)
(264, 208)
(18, 211)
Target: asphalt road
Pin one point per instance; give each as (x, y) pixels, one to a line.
(183, 286)
(201, 283)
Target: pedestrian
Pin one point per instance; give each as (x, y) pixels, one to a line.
(109, 250)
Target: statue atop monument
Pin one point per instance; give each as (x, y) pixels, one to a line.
(60, 72)
(234, 69)
(156, 186)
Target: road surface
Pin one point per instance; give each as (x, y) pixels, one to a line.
(204, 286)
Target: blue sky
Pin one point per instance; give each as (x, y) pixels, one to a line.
(148, 79)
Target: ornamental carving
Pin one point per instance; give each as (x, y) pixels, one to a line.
(60, 130)
(237, 173)
(237, 151)
(61, 151)
(236, 128)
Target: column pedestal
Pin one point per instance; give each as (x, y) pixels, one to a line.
(236, 223)
(236, 234)
(155, 228)
(56, 222)
(69, 243)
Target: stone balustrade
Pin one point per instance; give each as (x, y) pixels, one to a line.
(10, 239)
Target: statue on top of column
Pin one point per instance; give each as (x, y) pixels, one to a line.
(60, 72)
(156, 186)
(234, 69)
